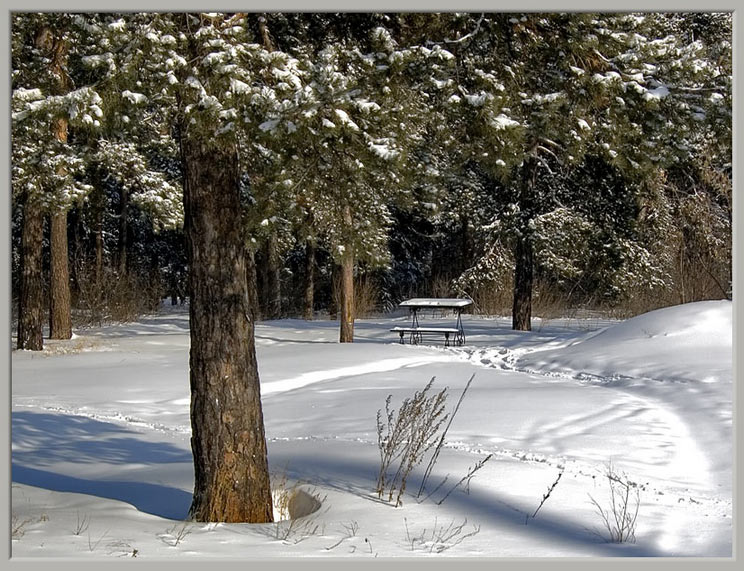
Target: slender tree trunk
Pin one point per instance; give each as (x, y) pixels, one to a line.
(274, 281)
(252, 281)
(60, 320)
(465, 246)
(123, 231)
(682, 277)
(228, 441)
(347, 299)
(60, 307)
(347, 284)
(30, 335)
(309, 279)
(335, 293)
(99, 249)
(78, 250)
(524, 269)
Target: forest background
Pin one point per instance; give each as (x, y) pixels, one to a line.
(544, 163)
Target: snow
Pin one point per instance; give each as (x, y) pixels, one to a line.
(269, 125)
(135, 98)
(102, 467)
(503, 122)
(659, 92)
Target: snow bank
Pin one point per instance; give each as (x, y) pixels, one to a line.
(689, 342)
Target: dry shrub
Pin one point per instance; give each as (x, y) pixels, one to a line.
(115, 298)
(621, 512)
(366, 295)
(404, 437)
(295, 511)
(441, 287)
(439, 538)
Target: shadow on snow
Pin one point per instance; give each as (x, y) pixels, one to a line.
(42, 441)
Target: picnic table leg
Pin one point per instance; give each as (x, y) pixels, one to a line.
(446, 338)
(401, 338)
(460, 337)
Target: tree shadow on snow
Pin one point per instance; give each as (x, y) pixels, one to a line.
(154, 499)
(43, 444)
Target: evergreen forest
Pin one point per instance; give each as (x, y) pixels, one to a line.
(537, 163)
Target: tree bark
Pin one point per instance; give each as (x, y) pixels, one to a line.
(524, 268)
(333, 303)
(78, 255)
(309, 297)
(123, 231)
(523, 278)
(60, 307)
(273, 281)
(347, 298)
(252, 281)
(30, 334)
(99, 250)
(228, 441)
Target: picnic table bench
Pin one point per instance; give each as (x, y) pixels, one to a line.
(416, 331)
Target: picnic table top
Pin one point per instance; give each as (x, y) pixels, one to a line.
(436, 302)
(426, 329)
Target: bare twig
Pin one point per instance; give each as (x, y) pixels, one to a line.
(82, 524)
(93, 545)
(176, 534)
(351, 531)
(546, 496)
(440, 538)
(440, 444)
(622, 512)
(467, 477)
(18, 528)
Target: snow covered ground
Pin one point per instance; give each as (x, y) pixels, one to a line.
(102, 468)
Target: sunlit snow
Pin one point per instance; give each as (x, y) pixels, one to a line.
(102, 465)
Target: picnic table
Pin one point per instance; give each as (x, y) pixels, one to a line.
(416, 331)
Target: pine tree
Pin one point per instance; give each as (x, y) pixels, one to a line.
(537, 92)
(47, 170)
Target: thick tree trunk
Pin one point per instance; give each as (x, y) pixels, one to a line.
(30, 335)
(347, 298)
(524, 269)
(60, 320)
(228, 442)
(523, 278)
(309, 297)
